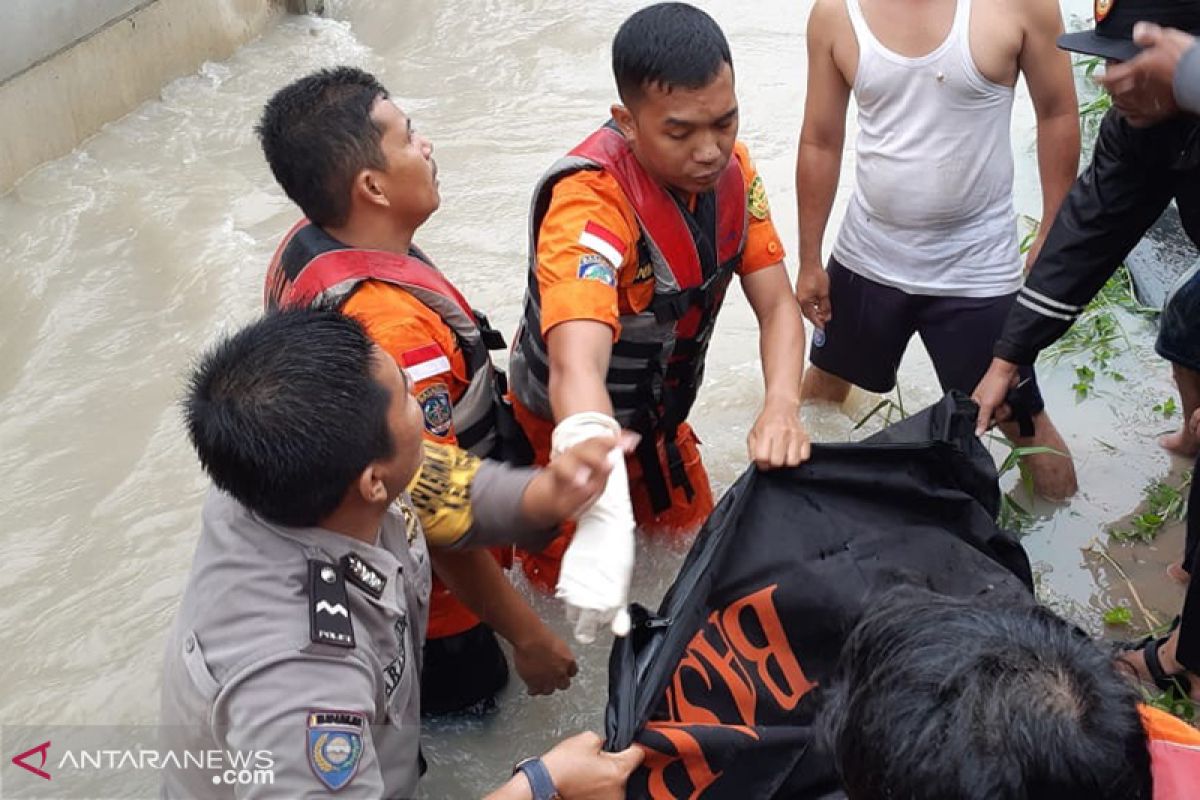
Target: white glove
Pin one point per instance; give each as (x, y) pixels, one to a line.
(598, 564)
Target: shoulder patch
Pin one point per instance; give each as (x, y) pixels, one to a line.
(756, 199)
(597, 268)
(328, 606)
(335, 746)
(437, 409)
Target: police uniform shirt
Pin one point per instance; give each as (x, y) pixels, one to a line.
(243, 674)
(305, 644)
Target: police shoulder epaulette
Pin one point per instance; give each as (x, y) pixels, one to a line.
(328, 606)
(363, 575)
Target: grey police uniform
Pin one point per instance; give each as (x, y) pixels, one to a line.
(301, 648)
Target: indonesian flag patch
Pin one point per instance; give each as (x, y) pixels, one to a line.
(603, 241)
(424, 362)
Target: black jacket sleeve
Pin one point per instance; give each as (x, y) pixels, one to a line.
(1110, 207)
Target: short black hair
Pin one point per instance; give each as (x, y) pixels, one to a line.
(668, 45)
(317, 135)
(938, 698)
(285, 414)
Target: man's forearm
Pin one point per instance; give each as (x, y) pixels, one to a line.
(477, 580)
(817, 170)
(1107, 211)
(579, 354)
(1058, 161)
(780, 338)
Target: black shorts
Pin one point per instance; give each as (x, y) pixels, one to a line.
(872, 324)
(1179, 326)
(463, 673)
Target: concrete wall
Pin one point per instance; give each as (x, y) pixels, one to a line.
(35, 29)
(70, 66)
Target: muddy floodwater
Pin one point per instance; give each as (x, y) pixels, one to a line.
(123, 259)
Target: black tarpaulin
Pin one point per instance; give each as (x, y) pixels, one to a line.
(721, 685)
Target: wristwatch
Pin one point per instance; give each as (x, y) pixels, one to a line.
(539, 779)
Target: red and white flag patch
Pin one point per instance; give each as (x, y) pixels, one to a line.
(604, 242)
(424, 362)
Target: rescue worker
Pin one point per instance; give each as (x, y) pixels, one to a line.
(1147, 153)
(298, 638)
(635, 236)
(929, 241)
(366, 181)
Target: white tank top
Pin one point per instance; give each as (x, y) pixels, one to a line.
(932, 211)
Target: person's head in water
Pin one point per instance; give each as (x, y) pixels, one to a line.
(944, 699)
(299, 413)
(340, 147)
(678, 108)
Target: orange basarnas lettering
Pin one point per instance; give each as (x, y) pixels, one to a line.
(688, 753)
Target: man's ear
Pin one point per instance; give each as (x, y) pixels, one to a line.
(624, 119)
(369, 188)
(371, 487)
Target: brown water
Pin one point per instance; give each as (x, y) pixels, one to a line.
(128, 256)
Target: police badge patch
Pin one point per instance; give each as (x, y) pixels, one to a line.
(435, 406)
(756, 199)
(335, 745)
(1102, 8)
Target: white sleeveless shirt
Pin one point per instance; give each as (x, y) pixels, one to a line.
(932, 211)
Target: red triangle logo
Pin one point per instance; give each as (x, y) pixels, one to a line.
(19, 760)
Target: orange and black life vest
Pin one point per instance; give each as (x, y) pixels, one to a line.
(311, 268)
(657, 364)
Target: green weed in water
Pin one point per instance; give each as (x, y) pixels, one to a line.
(1164, 504)
(1119, 615)
(1167, 408)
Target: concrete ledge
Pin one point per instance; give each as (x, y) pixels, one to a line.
(54, 105)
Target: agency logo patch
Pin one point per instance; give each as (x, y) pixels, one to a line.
(436, 407)
(756, 199)
(597, 268)
(335, 745)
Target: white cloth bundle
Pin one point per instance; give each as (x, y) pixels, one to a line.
(598, 564)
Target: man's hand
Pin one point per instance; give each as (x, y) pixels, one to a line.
(778, 439)
(991, 392)
(1142, 88)
(581, 771)
(812, 293)
(544, 662)
(572, 481)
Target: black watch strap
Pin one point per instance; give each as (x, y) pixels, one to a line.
(539, 779)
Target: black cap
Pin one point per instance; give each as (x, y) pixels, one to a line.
(1113, 35)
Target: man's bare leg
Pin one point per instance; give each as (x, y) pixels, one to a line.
(1053, 474)
(1183, 442)
(823, 386)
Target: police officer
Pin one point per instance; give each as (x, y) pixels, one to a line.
(1147, 153)
(298, 640)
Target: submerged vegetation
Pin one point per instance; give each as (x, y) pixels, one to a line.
(1163, 504)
